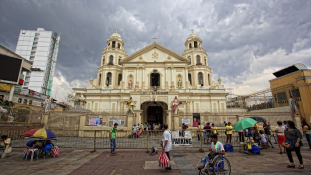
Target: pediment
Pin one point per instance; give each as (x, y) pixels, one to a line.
(155, 53)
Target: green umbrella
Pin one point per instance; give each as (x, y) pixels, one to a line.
(244, 123)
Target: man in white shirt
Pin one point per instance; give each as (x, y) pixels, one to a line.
(216, 147)
(167, 143)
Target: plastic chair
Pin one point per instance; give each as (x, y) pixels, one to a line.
(32, 150)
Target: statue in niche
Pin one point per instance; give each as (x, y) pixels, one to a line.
(179, 83)
(219, 80)
(130, 84)
(175, 104)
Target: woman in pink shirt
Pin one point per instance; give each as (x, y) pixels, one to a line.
(195, 123)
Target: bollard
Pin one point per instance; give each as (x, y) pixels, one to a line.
(147, 143)
(94, 149)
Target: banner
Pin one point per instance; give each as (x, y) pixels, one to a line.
(180, 138)
(185, 121)
(117, 121)
(95, 121)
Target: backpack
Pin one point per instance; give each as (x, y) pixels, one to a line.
(228, 148)
(255, 149)
(30, 143)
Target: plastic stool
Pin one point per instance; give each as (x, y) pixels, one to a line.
(32, 153)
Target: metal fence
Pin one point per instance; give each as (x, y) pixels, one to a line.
(98, 139)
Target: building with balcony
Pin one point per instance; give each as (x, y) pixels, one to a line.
(41, 48)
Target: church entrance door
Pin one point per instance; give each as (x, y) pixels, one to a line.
(155, 114)
(155, 79)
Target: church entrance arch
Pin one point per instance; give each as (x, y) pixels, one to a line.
(154, 112)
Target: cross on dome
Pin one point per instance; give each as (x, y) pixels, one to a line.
(154, 38)
(192, 30)
(116, 30)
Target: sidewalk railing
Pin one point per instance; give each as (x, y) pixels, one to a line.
(99, 139)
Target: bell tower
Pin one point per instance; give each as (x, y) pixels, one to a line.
(109, 73)
(199, 73)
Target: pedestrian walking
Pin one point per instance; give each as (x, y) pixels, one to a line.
(183, 129)
(266, 127)
(199, 130)
(167, 143)
(225, 126)
(207, 132)
(292, 105)
(293, 135)
(229, 132)
(113, 139)
(280, 135)
(241, 135)
(306, 128)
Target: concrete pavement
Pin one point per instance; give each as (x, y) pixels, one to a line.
(137, 161)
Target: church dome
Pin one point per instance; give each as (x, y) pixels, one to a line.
(116, 35)
(193, 36)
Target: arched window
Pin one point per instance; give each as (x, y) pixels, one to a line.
(189, 59)
(200, 78)
(99, 79)
(198, 60)
(189, 79)
(119, 45)
(113, 44)
(104, 61)
(190, 46)
(209, 79)
(195, 44)
(119, 61)
(108, 80)
(205, 61)
(110, 60)
(119, 79)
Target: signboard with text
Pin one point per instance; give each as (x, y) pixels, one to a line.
(116, 121)
(185, 121)
(180, 138)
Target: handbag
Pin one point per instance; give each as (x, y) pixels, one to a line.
(288, 144)
(163, 160)
(55, 152)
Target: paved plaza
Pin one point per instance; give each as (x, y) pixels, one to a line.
(137, 161)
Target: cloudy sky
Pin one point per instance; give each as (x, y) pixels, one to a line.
(246, 40)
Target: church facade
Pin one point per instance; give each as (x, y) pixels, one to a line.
(153, 77)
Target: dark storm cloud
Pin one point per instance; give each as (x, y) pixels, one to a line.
(234, 33)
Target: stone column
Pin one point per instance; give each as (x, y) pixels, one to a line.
(143, 83)
(188, 106)
(123, 79)
(166, 79)
(81, 125)
(176, 122)
(169, 119)
(122, 106)
(130, 121)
